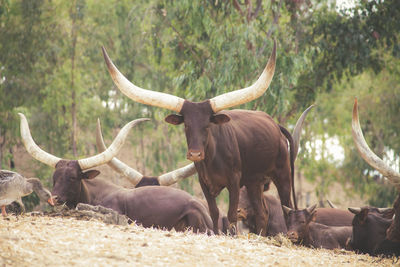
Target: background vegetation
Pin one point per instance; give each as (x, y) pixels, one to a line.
(52, 69)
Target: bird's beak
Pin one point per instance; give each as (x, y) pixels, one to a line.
(51, 201)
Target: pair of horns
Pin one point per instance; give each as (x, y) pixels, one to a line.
(369, 156)
(310, 209)
(358, 210)
(86, 163)
(133, 175)
(175, 103)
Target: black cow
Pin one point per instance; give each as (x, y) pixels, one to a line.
(162, 206)
(229, 148)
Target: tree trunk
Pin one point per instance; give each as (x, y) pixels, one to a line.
(2, 143)
(74, 37)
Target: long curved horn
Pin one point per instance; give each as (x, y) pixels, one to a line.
(249, 93)
(133, 175)
(112, 150)
(297, 130)
(32, 147)
(87, 163)
(367, 154)
(141, 95)
(177, 175)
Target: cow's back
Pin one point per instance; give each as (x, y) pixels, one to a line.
(334, 217)
(329, 237)
(160, 205)
(256, 136)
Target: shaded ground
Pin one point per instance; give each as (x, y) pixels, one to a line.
(64, 241)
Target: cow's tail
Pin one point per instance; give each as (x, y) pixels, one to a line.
(289, 137)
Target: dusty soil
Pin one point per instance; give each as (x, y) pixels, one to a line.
(42, 240)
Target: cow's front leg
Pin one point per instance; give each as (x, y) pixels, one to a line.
(255, 194)
(233, 189)
(212, 206)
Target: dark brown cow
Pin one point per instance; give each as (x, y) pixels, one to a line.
(229, 148)
(302, 229)
(392, 232)
(328, 216)
(370, 226)
(162, 206)
(276, 221)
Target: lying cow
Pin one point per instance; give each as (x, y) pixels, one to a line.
(162, 207)
(369, 232)
(276, 221)
(392, 233)
(303, 229)
(139, 180)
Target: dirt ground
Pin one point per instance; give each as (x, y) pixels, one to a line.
(42, 240)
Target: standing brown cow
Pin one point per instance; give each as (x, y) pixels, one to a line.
(158, 206)
(272, 205)
(229, 148)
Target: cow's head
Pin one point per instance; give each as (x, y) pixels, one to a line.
(68, 174)
(297, 222)
(369, 229)
(196, 116)
(67, 182)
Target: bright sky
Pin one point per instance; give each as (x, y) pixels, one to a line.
(340, 4)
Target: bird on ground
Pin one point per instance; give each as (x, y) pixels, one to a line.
(13, 186)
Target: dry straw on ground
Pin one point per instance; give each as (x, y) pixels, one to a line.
(64, 241)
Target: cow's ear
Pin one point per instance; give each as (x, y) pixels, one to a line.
(174, 119)
(312, 217)
(90, 174)
(362, 216)
(220, 118)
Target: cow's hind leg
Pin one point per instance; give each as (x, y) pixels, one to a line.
(283, 183)
(254, 192)
(282, 176)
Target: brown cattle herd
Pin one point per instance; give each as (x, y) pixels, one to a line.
(241, 150)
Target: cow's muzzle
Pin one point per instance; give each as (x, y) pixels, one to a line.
(57, 201)
(293, 236)
(195, 155)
